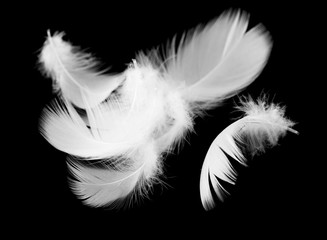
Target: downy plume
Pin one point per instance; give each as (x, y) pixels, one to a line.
(261, 127)
(74, 73)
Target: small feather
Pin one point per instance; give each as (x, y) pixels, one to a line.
(74, 72)
(262, 126)
(106, 186)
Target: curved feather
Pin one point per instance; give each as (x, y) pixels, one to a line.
(101, 187)
(63, 127)
(74, 73)
(220, 59)
(262, 125)
(104, 186)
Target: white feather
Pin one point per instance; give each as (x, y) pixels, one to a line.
(105, 186)
(262, 126)
(219, 59)
(74, 72)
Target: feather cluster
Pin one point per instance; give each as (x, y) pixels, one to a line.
(116, 127)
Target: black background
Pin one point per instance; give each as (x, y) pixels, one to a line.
(272, 195)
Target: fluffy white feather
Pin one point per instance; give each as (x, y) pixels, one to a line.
(74, 73)
(128, 120)
(108, 186)
(220, 59)
(262, 126)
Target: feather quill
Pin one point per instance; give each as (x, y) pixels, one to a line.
(262, 126)
(127, 121)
